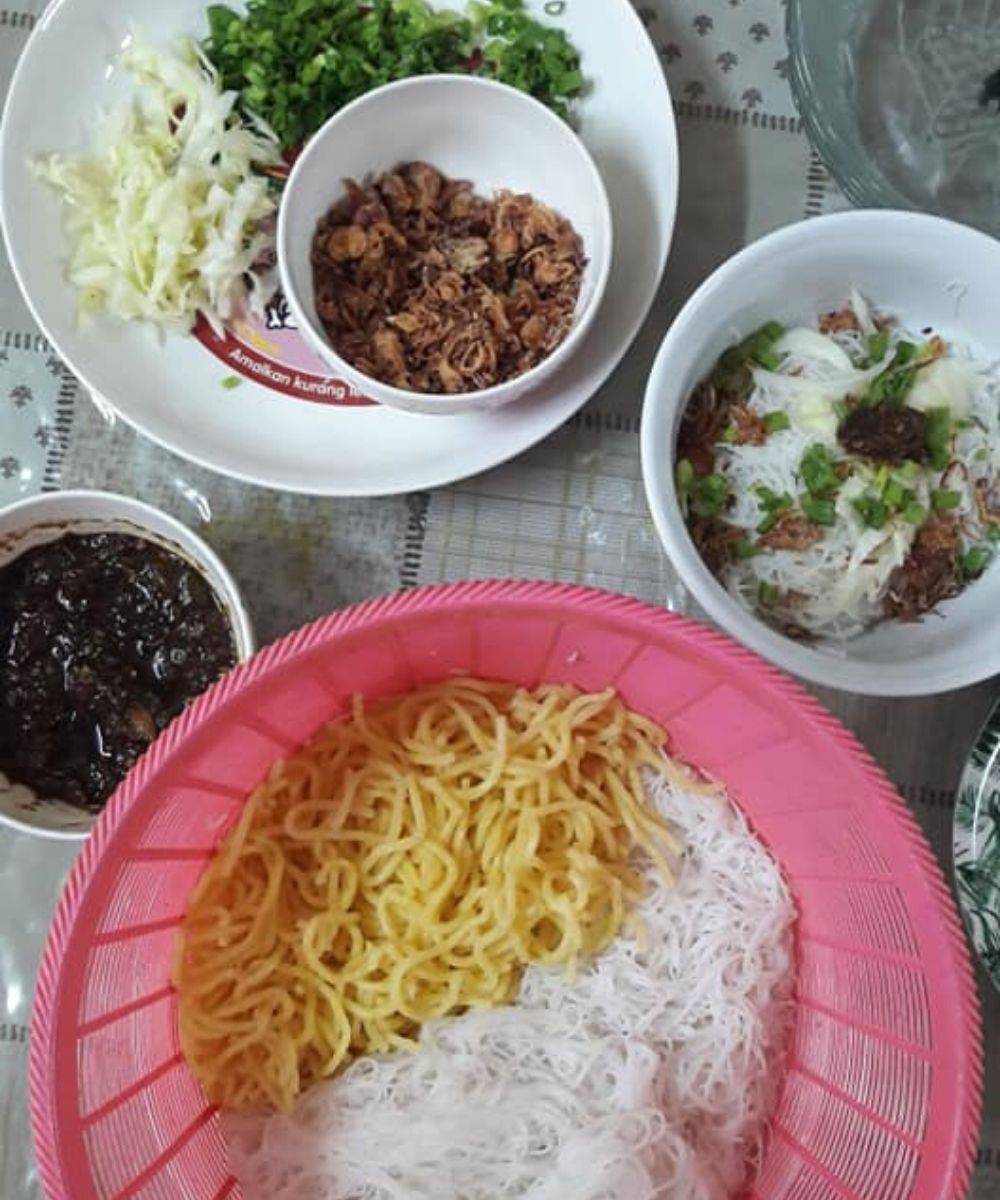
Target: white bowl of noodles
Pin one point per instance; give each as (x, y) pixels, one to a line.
(928, 274)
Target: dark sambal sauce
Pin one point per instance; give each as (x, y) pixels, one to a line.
(104, 638)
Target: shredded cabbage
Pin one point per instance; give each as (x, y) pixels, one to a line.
(810, 343)
(824, 379)
(863, 313)
(170, 216)
(947, 383)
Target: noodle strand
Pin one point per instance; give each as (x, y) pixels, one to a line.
(407, 865)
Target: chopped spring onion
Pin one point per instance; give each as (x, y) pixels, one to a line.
(939, 437)
(914, 513)
(820, 512)
(775, 422)
(757, 348)
(768, 594)
(771, 501)
(297, 62)
(895, 382)
(744, 549)
(817, 471)
(772, 505)
(877, 346)
(975, 561)
(760, 346)
(944, 500)
(895, 495)
(873, 512)
(709, 496)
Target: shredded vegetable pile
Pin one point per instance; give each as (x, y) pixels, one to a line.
(297, 62)
(170, 216)
(840, 474)
(650, 1077)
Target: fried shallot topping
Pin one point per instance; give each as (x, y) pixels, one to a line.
(988, 502)
(425, 285)
(716, 541)
(748, 427)
(701, 427)
(792, 531)
(841, 321)
(930, 574)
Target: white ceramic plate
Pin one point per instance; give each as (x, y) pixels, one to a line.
(300, 431)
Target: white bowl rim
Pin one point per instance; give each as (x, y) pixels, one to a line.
(187, 542)
(850, 675)
(388, 394)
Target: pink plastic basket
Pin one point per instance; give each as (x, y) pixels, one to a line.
(882, 1096)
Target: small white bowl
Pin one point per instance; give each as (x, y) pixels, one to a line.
(468, 128)
(923, 269)
(44, 518)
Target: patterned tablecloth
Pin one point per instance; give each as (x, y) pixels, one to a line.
(572, 509)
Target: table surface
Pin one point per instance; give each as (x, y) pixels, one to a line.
(570, 510)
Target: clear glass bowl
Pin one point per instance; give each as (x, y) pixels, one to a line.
(901, 99)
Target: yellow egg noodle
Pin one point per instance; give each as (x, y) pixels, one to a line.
(406, 865)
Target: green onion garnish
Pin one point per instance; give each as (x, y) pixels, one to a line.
(893, 493)
(818, 472)
(709, 496)
(895, 382)
(938, 437)
(878, 345)
(820, 512)
(297, 62)
(872, 511)
(744, 549)
(759, 346)
(771, 504)
(944, 500)
(975, 561)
